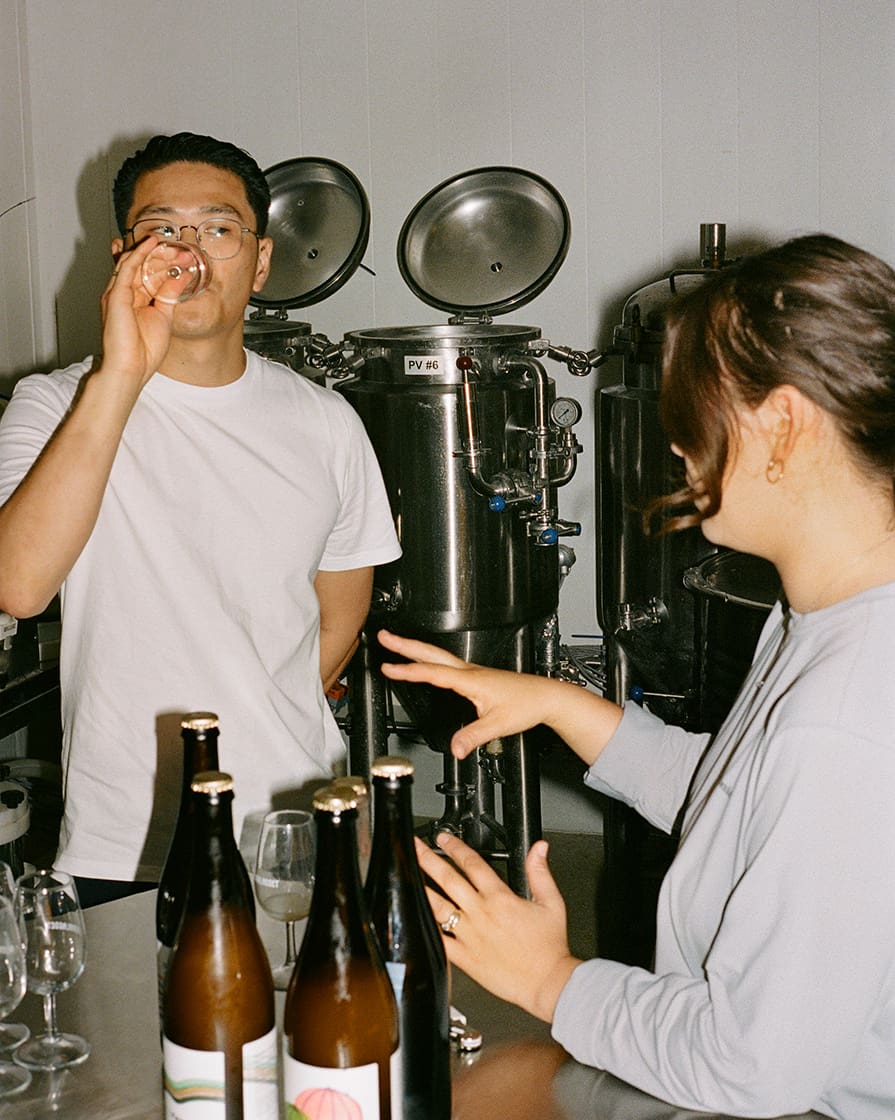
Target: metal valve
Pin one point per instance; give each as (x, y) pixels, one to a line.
(634, 616)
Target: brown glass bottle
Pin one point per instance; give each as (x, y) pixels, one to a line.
(219, 1020)
(199, 731)
(411, 944)
(340, 1025)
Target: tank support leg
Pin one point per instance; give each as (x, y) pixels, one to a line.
(522, 806)
(367, 708)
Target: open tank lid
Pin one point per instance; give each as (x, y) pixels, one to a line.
(485, 241)
(319, 219)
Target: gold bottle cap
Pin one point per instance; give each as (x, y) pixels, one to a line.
(392, 766)
(354, 782)
(211, 781)
(335, 799)
(199, 721)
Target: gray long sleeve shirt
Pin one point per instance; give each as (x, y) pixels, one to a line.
(774, 983)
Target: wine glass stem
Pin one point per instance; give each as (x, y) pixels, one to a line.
(290, 944)
(50, 1014)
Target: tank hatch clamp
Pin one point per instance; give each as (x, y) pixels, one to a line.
(330, 357)
(479, 319)
(578, 362)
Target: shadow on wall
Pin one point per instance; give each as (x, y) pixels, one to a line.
(78, 321)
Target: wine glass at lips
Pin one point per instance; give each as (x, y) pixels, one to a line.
(13, 1078)
(176, 271)
(55, 954)
(11, 1034)
(284, 876)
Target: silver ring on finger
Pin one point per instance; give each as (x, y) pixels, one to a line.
(451, 922)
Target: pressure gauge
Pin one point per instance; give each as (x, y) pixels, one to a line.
(565, 412)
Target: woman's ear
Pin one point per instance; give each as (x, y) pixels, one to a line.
(787, 415)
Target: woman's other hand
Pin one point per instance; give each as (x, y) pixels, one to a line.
(515, 947)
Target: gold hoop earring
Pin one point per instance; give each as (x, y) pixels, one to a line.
(774, 471)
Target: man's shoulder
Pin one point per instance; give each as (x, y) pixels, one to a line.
(60, 384)
(282, 379)
(279, 373)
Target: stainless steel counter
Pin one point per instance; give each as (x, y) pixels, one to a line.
(519, 1074)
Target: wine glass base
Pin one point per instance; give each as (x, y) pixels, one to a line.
(282, 976)
(12, 1035)
(13, 1079)
(46, 1053)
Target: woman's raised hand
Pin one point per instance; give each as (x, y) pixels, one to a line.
(506, 702)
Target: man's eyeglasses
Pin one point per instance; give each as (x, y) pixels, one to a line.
(219, 238)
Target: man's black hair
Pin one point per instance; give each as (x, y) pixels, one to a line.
(187, 147)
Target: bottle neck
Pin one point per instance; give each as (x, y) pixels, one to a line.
(216, 876)
(337, 899)
(200, 752)
(392, 814)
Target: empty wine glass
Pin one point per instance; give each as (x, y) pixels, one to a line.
(13, 1079)
(55, 955)
(176, 271)
(284, 876)
(11, 1034)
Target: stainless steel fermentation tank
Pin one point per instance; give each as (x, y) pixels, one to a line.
(646, 613)
(473, 445)
(659, 595)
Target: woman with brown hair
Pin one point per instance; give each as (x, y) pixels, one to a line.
(773, 987)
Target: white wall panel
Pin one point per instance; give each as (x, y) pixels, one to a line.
(406, 137)
(548, 137)
(18, 349)
(699, 120)
(309, 98)
(777, 76)
(624, 174)
(262, 75)
(12, 166)
(857, 123)
(548, 134)
(473, 61)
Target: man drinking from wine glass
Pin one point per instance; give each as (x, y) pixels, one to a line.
(211, 518)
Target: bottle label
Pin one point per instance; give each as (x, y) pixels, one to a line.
(395, 1072)
(194, 1081)
(396, 971)
(315, 1092)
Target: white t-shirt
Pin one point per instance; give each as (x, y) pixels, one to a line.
(195, 592)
